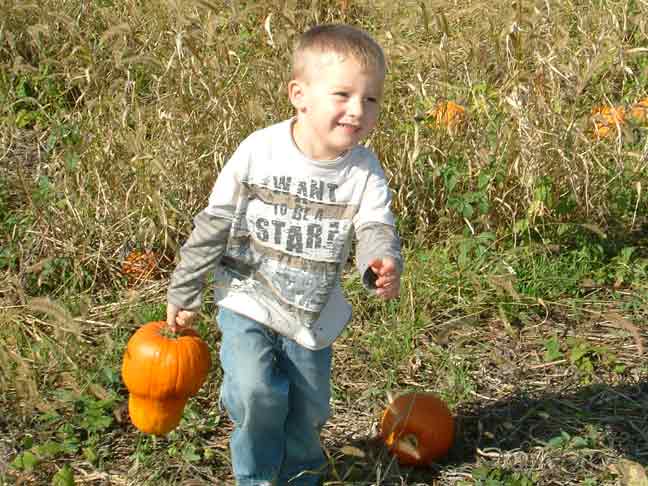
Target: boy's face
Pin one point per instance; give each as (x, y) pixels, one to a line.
(337, 102)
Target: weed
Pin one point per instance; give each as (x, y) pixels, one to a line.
(485, 476)
(79, 423)
(522, 233)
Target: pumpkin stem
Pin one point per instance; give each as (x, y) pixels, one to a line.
(408, 444)
(166, 332)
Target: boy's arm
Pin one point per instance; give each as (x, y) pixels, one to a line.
(379, 259)
(203, 250)
(198, 256)
(378, 249)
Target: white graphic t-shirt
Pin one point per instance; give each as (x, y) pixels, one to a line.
(278, 230)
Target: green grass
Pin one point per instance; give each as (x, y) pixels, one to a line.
(524, 300)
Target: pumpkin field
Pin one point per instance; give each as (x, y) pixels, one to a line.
(515, 138)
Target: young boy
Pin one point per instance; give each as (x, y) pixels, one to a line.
(277, 232)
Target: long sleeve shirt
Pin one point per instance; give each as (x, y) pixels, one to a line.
(277, 232)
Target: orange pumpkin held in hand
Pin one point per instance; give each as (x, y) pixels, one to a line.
(161, 372)
(417, 428)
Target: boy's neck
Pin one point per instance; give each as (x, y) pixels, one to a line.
(304, 147)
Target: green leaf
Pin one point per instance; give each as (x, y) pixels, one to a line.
(26, 461)
(552, 349)
(451, 183)
(580, 442)
(559, 441)
(90, 454)
(96, 423)
(27, 442)
(64, 477)
(49, 449)
(493, 482)
(24, 90)
(619, 368)
(480, 472)
(70, 445)
(72, 161)
(66, 396)
(483, 180)
(521, 225)
(578, 352)
(467, 211)
(190, 454)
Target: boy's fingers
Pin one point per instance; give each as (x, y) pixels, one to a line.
(172, 313)
(383, 266)
(375, 265)
(185, 318)
(387, 280)
(389, 266)
(388, 286)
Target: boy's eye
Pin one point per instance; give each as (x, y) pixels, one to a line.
(342, 94)
(372, 100)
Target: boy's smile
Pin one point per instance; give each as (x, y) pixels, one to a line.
(337, 104)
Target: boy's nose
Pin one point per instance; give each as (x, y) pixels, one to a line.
(355, 107)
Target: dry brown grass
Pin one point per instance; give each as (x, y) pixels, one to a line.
(115, 118)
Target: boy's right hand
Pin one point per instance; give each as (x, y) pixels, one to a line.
(178, 318)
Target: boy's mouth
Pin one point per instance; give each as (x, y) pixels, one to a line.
(349, 127)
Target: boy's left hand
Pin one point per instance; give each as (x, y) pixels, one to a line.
(388, 281)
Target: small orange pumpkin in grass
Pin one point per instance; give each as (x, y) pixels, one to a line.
(448, 114)
(639, 112)
(161, 372)
(140, 265)
(417, 428)
(606, 119)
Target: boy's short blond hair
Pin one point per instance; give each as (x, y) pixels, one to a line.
(340, 39)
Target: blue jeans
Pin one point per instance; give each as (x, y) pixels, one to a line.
(277, 394)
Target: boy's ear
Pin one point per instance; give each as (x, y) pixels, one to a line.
(296, 94)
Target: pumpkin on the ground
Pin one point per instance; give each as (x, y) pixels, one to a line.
(161, 371)
(140, 265)
(606, 120)
(448, 114)
(418, 428)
